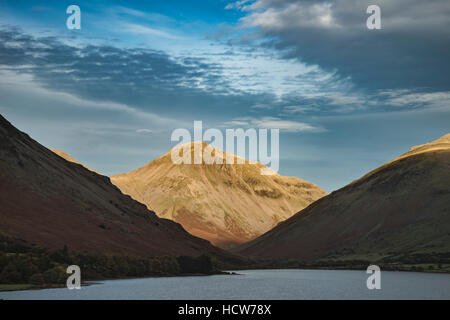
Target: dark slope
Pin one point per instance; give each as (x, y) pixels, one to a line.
(51, 202)
(398, 211)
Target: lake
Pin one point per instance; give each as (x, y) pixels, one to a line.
(258, 285)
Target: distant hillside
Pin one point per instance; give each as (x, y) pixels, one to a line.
(227, 204)
(396, 213)
(51, 202)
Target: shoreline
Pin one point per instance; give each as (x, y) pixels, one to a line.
(90, 282)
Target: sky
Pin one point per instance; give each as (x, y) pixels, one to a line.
(345, 98)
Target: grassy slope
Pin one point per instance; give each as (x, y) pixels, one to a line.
(399, 213)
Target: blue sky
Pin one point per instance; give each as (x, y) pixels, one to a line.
(347, 99)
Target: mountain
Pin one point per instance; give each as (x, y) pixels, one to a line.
(227, 204)
(398, 212)
(51, 202)
(65, 156)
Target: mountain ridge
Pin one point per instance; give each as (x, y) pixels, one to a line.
(69, 158)
(227, 204)
(397, 212)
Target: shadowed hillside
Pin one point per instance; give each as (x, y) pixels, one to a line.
(51, 202)
(396, 213)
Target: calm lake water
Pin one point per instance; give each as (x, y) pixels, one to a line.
(259, 284)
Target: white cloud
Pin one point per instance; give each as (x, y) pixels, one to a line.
(237, 5)
(273, 123)
(150, 16)
(298, 109)
(262, 71)
(295, 15)
(146, 31)
(407, 98)
(144, 131)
